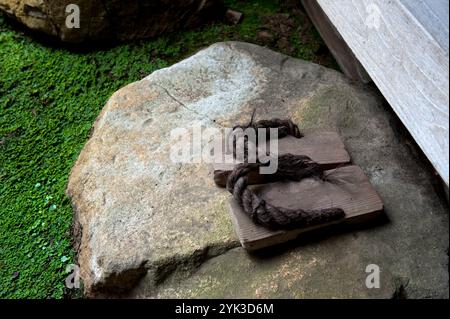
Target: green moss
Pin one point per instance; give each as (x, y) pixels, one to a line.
(49, 99)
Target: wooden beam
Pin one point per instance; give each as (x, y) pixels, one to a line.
(347, 61)
(407, 63)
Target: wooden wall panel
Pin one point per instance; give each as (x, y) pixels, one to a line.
(406, 62)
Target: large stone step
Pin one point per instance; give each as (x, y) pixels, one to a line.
(162, 228)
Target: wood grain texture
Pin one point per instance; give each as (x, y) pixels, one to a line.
(347, 61)
(348, 188)
(325, 148)
(406, 62)
(433, 15)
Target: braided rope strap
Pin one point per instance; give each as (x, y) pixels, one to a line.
(290, 167)
(285, 128)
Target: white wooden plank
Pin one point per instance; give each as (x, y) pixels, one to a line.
(433, 15)
(407, 64)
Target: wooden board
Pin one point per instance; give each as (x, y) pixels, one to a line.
(325, 148)
(403, 46)
(347, 61)
(433, 15)
(349, 189)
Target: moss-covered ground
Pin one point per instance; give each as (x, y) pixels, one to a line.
(49, 99)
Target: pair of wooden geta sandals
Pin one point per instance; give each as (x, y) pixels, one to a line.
(314, 186)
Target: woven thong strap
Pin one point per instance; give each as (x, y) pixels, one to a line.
(290, 167)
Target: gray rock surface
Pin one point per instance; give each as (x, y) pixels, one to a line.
(162, 229)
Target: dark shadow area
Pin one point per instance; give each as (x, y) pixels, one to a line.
(315, 236)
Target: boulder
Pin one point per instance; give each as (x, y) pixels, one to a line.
(111, 19)
(148, 226)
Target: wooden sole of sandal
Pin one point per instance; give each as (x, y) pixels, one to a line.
(346, 187)
(325, 148)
